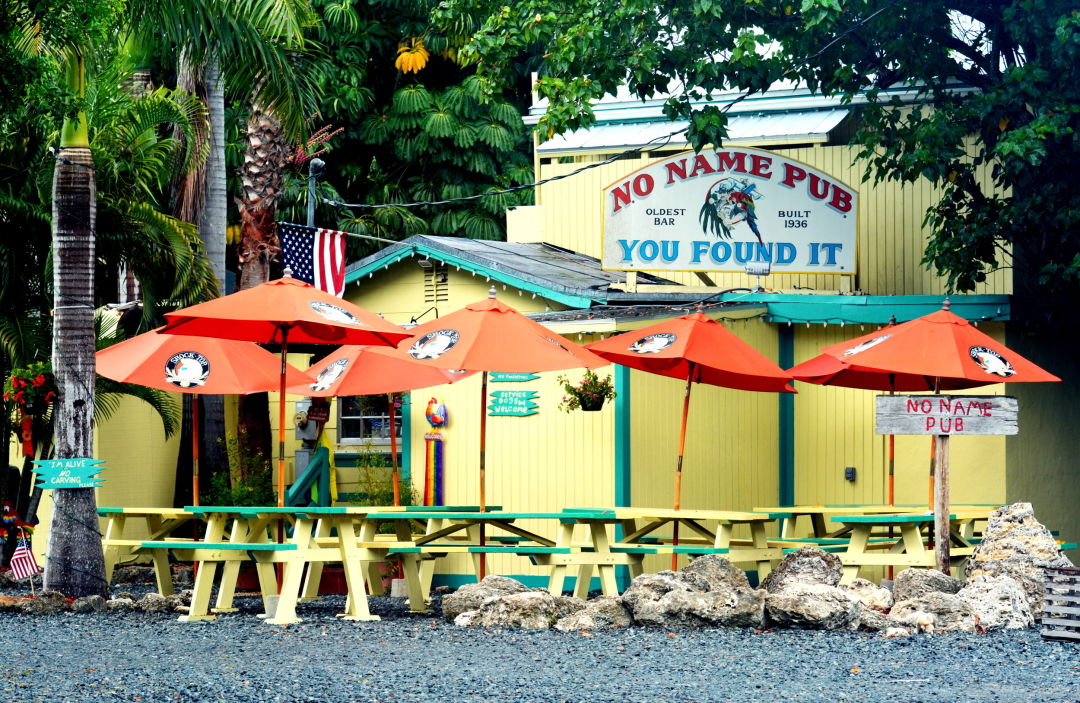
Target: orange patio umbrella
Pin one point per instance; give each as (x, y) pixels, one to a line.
(942, 347)
(697, 349)
(948, 352)
(194, 365)
(369, 370)
(492, 336)
(278, 312)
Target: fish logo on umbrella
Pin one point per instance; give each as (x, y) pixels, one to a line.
(329, 376)
(187, 369)
(653, 343)
(434, 344)
(866, 345)
(334, 313)
(991, 362)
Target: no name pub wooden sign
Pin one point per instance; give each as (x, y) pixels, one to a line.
(946, 415)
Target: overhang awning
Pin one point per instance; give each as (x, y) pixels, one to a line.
(775, 128)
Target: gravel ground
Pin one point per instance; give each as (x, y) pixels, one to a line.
(237, 658)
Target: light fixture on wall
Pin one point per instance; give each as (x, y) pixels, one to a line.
(426, 263)
(758, 269)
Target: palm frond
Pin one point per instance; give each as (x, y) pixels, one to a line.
(110, 393)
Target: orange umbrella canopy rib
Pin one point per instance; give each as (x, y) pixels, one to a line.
(940, 345)
(695, 344)
(199, 365)
(267, 311)
(492, 336)
(369, 370)
(827, 370)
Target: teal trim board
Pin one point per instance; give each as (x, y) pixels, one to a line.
(405, 443)
(623, 493)
(786, 420)
(799, 308)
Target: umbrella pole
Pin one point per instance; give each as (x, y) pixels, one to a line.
(194, 450)
(393, 450)
(483, 452)
(281, 418)
(679, 462)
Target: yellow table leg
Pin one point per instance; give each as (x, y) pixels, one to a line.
(315, 569)
(230, 570)
(557, 578)
(856, 548)
(204, 581)
(757, 534)
(356, 607)
(608, 585)
(292, 574)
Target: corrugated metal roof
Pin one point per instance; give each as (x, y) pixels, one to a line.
(791, 127)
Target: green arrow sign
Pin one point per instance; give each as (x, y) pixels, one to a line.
(517, 403)
(79, 472)
(500, 377)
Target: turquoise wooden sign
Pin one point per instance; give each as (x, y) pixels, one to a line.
(501, 377)
(79, 472)
(517, 403)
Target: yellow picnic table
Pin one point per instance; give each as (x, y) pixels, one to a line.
(706, 532)
(820, 514)
(156, 523)
(907, 549)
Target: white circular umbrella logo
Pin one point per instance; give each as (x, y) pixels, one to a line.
(653, 343)
(329, 376)
(434, 344)
(991, 362)
(187, 369)
(866, 345)
(334, 313)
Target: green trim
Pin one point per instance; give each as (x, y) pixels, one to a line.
(456, 581)
(623, 464)
(405, 441)
(408, 250)
(786, 420)
(871, 309)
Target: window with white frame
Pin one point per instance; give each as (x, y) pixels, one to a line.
(365, 418)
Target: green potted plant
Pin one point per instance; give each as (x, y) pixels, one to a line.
(587, 394)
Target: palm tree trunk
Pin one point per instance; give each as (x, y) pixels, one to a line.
(75, 564)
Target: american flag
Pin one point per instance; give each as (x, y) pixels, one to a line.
(23, 563)
(316, 256)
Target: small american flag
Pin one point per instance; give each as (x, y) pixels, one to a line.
(316, 256)
(23, 563)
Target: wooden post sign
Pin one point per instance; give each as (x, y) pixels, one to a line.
(78, 472)
(944, 416)
(508, 377)
(516, 403)
(954, 415)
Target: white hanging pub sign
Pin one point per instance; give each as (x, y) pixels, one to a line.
(725, 208)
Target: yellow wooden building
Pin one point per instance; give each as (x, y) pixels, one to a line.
(744, 449)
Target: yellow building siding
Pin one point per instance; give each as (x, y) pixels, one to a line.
(890, 231)
(835, 429)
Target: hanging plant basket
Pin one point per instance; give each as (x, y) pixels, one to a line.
(592, 405)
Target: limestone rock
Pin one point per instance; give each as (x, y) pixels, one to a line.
(688, 609)
(466, 619)
(717, 571)
(950, 613)
(473, 595)
(814, 606)
(649, 588)
(120, 605)
(46, 603)
(185, 596)
(568, 605)
(89, 604)
(154, 603)
(913, 583)
(808, 565)
(598, 614)
(530, 610)
(869, 594)
(870, 619)
(999, 602)
(1015, 544)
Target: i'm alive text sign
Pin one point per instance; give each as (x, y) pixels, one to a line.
(80, 472)
(722, 209)
(947, 415)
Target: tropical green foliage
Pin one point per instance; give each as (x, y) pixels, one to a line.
(425, 134)
(998, 84)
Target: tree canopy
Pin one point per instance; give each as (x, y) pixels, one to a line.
(997, 85)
